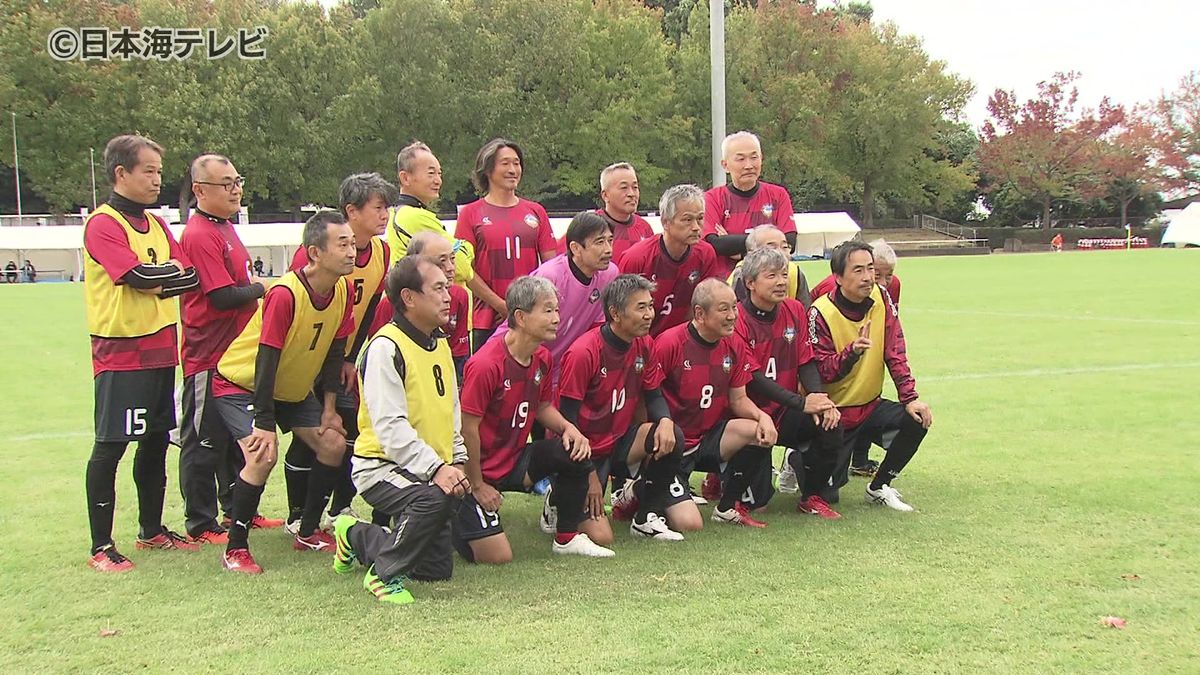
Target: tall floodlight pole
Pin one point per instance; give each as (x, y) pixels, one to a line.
(16, 167)
(716, 50)
(92, 165)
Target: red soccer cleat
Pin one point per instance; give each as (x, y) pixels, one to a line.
(259, 522)
(624, 504)
(738, 515)
(710, 489)
(109, 560)
(814, 505)
(167, 541)
(317, 541)
(240, 560)
(210, 537)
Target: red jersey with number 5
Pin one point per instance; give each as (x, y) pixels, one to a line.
(697, 378)
(674, 279)
(777, 344)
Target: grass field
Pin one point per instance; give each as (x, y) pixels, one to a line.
(1059, 466)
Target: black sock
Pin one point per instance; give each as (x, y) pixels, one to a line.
(741, 469)
(657, 476)
(100, 483)
(343, 490)
(381, 518)
(150, 477)
(245, 506)
(297, 465)
(321, 480)
(901, 450)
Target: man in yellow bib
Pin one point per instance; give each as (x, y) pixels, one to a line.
(266, 377)
(855, 331)
(769, 236)
(420, 178)
(134, 270)
(409, 457)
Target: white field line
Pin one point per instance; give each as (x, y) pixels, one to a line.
(1066, 316)
(1058, 372)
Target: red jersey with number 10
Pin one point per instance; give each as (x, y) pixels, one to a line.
(698, 377)
(778, 348)
(674, 280)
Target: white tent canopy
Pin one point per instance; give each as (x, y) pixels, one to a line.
(819, 232)
(1184, 227)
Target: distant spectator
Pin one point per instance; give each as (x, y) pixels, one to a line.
(258, 266)
(30, 272)
(10, 272)
(1056, 243)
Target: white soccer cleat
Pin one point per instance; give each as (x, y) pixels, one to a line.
(549, 520)
(581, 544)
(698, 500)
(292, 527)
(788, 483)
(327, 520)
(654, 528)
(888, 496)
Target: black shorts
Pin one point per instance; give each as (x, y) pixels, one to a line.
(131, 404)
(237, 411)
(472, 521)
(706, 455)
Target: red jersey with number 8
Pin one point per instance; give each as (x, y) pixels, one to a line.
(698, 377)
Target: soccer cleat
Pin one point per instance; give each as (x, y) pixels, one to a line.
(317, 541)
(698, 500)
(292, 527)
(259, 522)
(888, 496)
(581, 544)
(867, 469)
(240, 560)
(108, 559)
(213, 536)
(343, 554)
(738, 515)
(542, 486)
(654, 528)
(392, 591)
(814, 505)
(549, 520)
(788, 483)
(168, 541)
(327, 518)
(624, 503)
(710, 489)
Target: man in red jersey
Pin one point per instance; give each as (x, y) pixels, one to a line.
(212, 318)
(505, 387)
(134, 269)
(621, 194)
(855, 332)
(511, 236)
(676, 260)
(705, 387)
(608, 373)
(730, 211)
(773, 329)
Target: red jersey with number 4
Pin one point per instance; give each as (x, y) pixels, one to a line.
(698, 377)
(674, 279)
(507, 241)
(506, 395)
(609, 380)
(221, 261)
(769, 204)
(777, 347)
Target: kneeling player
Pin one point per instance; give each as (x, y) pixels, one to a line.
(505, 387)
(606, 375)
(706, 374)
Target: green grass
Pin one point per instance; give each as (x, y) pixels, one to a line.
(1063, 457)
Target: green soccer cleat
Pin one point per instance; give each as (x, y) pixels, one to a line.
(343, 554)
(387, 591)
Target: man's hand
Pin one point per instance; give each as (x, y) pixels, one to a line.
(863, 342)
(817, 403)
(920, 412)
(255, 279)
(664, 439)
(349, 377)
(721, 231)
(178, 265)
(765, 434)
(487, 496)
(829, 419)
(595, 498)
(262, 444)
(577, 444)
(331, 421)
(451, 480)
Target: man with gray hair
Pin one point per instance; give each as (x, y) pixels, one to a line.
(769, 236)
(419, 175)
(621, 194)
(730, 211)
(676, 261)
(505, 387)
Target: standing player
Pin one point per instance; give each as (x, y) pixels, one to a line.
(364, 199)
(607, 375)
(855, 332)
(507, 386)
(266, 377)
(705, 387)
(676, 260)
(133, 269)
(410, 453)
(420, 179)
(511, 236)
(212, 318)
(773, 329)
(579, 275)
(769, 236)
(730, 211)
(621, 194)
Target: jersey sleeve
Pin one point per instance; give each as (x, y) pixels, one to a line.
(741, 341)
(714, 212)
(652, 374)
(278, 310)
(577, 367)
(206, 252)
(708, 262)
(463, 229)
(743, 366)
(173, 246)
(481, 379)
(545, 233)
(346, 328)
(299, 259)
(546, 390)
(783, 211)
(105, 240)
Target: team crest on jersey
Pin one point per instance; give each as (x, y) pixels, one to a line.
(767, 210)
(753, 343)
(595, 295)
(639, 364)
(537, 376)
(726, 363)
(694, 277)
(789, 334)
(531, 220)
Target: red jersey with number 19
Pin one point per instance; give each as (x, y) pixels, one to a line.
(777, 344)
(698, 377)
(506, 395)
(674, 279)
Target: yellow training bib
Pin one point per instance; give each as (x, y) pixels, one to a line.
(116, 310)
(864, 382)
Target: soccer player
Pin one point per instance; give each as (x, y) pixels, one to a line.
(769, 236)
(730, 211)
(705, 387)
(134, 269)
(579, 276)
(505, 387)
(440, 250)
(621, 194)
(855, 332)
(676, 260)
(212, 318)
(420, 178)
(773, 329)
(364, 199)
(511, 236)
(408, 461)
(608, 374)
(266, 377)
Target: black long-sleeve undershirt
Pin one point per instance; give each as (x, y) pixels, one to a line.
(184, 283)
(266, 366)
(232, 297)
(764, 386)
(331, 370)
(727, 244)
(146, 276)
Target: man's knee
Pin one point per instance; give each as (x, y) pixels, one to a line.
(494, 550)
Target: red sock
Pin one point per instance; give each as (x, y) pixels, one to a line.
(564, 538)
